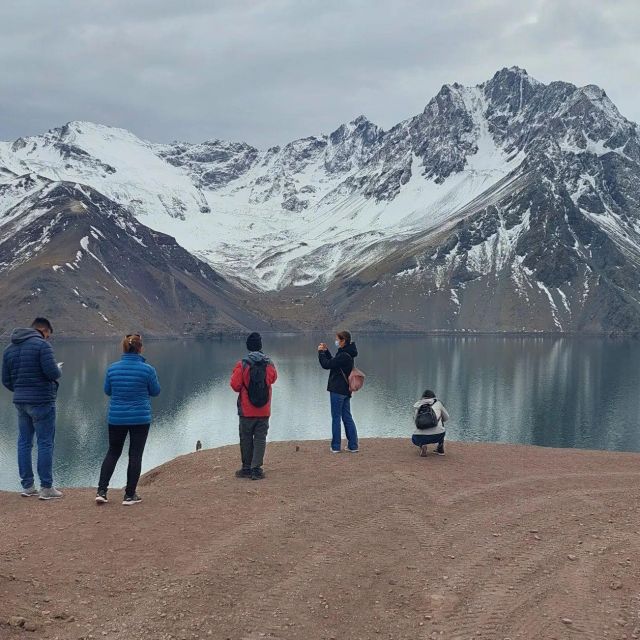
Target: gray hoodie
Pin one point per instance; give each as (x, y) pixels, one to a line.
(440, 412)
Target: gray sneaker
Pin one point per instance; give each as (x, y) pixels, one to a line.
(49, 493)
(31, 491)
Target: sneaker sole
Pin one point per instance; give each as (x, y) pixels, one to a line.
(29, 495)
(100, 500)
(49, 498)
(130, 502)
(439, 454)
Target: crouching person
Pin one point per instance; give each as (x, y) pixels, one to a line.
(251, 379)
(429, 417)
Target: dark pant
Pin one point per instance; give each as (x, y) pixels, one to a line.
(341, 414)
(432, 438)
(38, 419)
(137, 439)
(253, 441)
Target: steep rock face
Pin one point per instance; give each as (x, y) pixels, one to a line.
(512, 205)
(69, 252)
(213, 164)
(553, 246)
(543, 257)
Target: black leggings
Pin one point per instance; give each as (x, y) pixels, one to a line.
(137, 439)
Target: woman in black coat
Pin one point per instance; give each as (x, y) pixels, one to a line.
(340, 366)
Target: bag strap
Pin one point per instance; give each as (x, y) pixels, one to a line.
(438, 416)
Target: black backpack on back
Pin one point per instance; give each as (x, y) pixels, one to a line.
(258, 390)
(426, 418)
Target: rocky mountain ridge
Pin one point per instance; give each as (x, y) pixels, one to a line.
(509, 206)
(70, 253)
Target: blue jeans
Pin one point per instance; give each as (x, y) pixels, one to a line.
(432, 438)
(38, 419)
(341, 412)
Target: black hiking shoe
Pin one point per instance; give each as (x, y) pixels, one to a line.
(257, 473)
(440, 450)
(101, 496)
(129, 500)
(243, 473)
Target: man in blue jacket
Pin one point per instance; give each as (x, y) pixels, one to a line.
(29, 370)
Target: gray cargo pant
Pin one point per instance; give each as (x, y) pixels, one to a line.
(253, 441)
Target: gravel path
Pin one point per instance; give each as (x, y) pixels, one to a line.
(491, 542)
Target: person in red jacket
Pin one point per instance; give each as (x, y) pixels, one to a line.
(251, 379)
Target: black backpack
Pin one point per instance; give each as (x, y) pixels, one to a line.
(258, 388)
(426, 418)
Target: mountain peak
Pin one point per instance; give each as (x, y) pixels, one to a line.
(360, 120)
(511, 75)
(75, 129)
(360, 127)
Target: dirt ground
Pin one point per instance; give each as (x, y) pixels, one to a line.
(489, 542)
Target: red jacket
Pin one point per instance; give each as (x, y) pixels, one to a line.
(240, 382)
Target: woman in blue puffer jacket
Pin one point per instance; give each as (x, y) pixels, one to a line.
(130, 382)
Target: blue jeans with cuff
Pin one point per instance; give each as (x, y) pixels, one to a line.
(38, 420)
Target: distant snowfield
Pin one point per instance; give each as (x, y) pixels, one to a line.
(238, 230)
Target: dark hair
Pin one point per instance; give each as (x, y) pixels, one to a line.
(344, 335)
(428, 394)
(42, 323)
(132, 343)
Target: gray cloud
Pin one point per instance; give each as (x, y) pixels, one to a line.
(268, 71)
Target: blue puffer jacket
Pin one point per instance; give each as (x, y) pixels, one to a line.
(29, 368)
(130, 382)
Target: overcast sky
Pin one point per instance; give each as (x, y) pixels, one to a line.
(269, 71)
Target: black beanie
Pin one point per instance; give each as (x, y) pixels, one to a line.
(254, 342)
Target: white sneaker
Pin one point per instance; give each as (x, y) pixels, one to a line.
(49, 493)
(28, 493)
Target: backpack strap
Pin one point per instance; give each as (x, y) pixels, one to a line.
(440, 416)
(246, 364)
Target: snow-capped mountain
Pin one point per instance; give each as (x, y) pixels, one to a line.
(511, 205)
(69, 252)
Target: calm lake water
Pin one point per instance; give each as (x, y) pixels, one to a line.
(555, 392)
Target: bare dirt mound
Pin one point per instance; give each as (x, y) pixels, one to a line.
(489, 542)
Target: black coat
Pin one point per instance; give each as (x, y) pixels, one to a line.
(339, 368)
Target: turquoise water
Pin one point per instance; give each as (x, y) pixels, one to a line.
(559, 392)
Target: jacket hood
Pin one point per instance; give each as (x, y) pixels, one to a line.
(427, 401)
(257, 356)
(18, 336)
(350, 349)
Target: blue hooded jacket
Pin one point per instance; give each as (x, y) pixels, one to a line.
(29, 368)
(130, 382)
